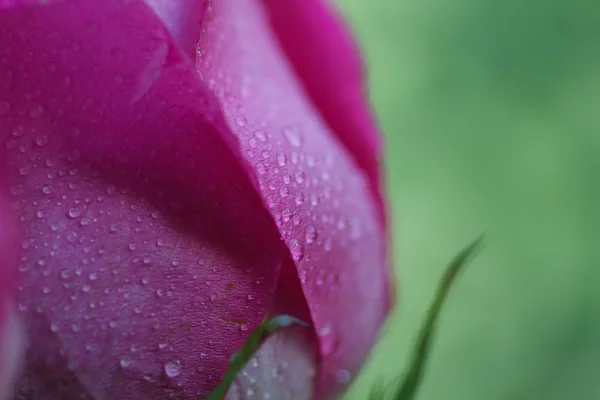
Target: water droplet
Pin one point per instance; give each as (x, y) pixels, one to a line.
(112, 324)
(244, 327)
(25, 170)
(281, 159)
(293, 135)
(172, 369)
(84, 221)
(111, 190)
(286, 215)
(41, 140)
(160, 242)
(261, 168)
(299, 198)
(241, 120)
(18, 131)
(74, 212)
(47, 189)
(54, 327)
(294, 157)
(93, 276)
(303, 275)
(342, 376)
(310, 234)
(296, 249)
(325, 329)
(260, 135)
(17, 190)
(125, 362)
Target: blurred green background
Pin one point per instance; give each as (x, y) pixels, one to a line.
(491, 111)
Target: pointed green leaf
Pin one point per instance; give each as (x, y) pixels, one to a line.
(377, 390)
(245, 353)
(413, 377)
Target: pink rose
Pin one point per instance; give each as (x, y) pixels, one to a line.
(178, 170)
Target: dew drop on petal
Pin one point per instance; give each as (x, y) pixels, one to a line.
(281, 159)
(241, 121)
(310, 234)
(260, 135)
(74, 212)
(125, 361)
(172, 369)
(296, 249)
(342, 376)
(293, 135)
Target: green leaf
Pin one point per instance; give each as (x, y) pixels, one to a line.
(245, 353)
(412, 380)
(377, 390)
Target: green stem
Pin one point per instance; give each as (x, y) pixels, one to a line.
(249, 348)
(414, 376)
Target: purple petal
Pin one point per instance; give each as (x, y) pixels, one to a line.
(320, 200)
(147, 254)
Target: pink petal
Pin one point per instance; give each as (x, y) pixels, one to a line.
(18, 3)
(11, 352)
(184, 19)
(66, 67)
(328, 65)
(285, 365)
(10, 335)
(148, 255)
(316, 193)
(283, 368)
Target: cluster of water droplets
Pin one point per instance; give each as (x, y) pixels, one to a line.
(93, 246)
(315, 195)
